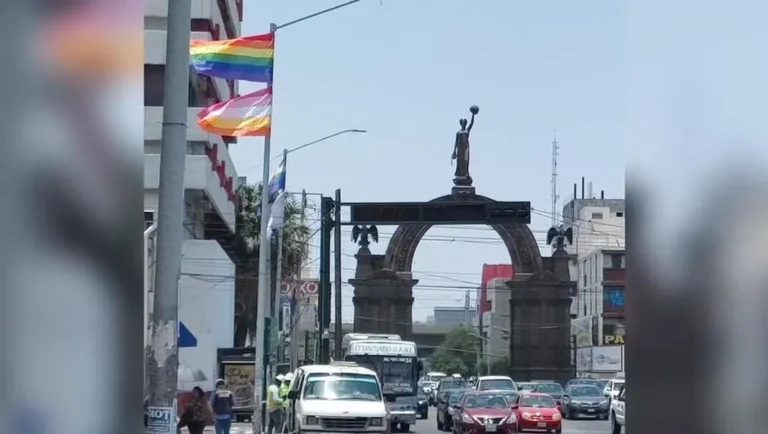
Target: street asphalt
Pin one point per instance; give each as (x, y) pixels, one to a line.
(428, 426)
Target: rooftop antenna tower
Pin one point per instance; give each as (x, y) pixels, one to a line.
(554, 196)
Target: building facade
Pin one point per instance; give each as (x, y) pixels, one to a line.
(597, 224)
(211, 248)
(601, 296)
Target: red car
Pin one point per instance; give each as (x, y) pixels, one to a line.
(485, 413)
(538, 412)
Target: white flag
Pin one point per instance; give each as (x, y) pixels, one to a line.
(277, 214)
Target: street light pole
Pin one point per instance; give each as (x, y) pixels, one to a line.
(162, 363)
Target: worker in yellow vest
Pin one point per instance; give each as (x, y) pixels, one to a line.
(284, 388)
(275, 408)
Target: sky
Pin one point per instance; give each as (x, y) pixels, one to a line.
(406, 71)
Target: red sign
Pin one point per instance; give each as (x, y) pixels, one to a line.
(490, 272)
(219, 167)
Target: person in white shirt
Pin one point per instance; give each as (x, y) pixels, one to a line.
(275, 406)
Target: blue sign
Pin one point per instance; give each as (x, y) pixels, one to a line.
(161, 420)
(186, 338)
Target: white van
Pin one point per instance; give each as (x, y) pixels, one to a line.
(341, 397)
(495, 382)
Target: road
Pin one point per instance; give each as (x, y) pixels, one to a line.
(583, 426)
(428, 426)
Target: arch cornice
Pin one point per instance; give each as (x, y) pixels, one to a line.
(523, 250)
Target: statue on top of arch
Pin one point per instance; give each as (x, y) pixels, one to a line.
(461, 150)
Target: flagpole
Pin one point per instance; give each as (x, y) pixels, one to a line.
(263, 285)
(278, 306)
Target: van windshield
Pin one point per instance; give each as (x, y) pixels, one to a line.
(342, 387)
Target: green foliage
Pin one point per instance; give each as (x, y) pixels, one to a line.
(457, 354)
(296, 235)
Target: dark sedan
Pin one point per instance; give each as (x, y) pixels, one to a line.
(584, 400)
(552, 389)
(447, 405)
(422, 405)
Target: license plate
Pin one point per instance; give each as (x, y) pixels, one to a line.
(491, 428)
(541, 424)
(591, 410)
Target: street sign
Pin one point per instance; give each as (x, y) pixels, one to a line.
(440, 213)
(301, 289)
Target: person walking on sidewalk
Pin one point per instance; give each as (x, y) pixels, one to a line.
(275, 406)
(222, 401)
(197, 413)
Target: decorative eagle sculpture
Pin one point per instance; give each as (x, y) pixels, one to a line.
(360, 235)
(559, 236)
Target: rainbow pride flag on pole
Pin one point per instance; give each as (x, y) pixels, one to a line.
(247, 115)
(250, 58)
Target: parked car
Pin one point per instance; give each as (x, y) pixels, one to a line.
(584, 400)
(538, 412)
(485, 412)
(554, 390)
(422, 405)
(618, 411)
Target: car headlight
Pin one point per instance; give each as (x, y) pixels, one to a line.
(604, 404)
(556, 416)
(312, 420)
(421, 402)
(512, 418)
(526, 415)
(376, 421)
(466, 419)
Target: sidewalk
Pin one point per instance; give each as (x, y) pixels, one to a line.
(237, 428)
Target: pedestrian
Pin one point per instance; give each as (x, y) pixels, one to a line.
(197, 412)
(275, 406)
(222, 402)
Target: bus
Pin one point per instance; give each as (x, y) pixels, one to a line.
(397, 364)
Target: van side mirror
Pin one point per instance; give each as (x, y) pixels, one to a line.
(621, 398)
(293, 394)
(390, 397)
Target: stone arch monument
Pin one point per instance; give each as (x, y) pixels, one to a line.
(383, 284)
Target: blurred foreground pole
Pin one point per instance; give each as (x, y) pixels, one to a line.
(163, 357)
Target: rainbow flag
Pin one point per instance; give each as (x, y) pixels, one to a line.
(247, 115)
(249, 59)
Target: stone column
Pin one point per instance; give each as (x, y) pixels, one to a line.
(540, 324)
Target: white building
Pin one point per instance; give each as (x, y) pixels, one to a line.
(496, 322)
(597, 224)
(210, 248)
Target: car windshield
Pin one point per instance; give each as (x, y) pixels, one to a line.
(342, 387)
(549, 388)
(500, 384)
(455, 397)
(430, 384)
(453, 384)
(486, 401)
(511, 396)
(537, 401)
(597, 383)
(586, 391)
(527, 386)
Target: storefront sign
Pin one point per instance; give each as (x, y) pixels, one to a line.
(613, 334)
(608, 358)
(613, 340)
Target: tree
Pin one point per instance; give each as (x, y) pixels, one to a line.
(296, 235)
(457, 354)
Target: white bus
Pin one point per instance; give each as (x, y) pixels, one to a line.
(397, 364)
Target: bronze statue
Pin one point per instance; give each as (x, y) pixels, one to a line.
(461, 149)
(557, 237)
(360, 235)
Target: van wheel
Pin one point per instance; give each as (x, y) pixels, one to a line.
(405, 427)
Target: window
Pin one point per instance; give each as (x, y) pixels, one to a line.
(330, 387)
(597, 216)
(620, 214)
(617, 260)
(585, 280)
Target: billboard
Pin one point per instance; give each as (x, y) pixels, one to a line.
(613, 300)
(608, 358)
(614, 333)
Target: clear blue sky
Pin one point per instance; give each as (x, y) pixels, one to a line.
(406, 71)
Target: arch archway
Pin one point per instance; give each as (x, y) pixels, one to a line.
(523, 250)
